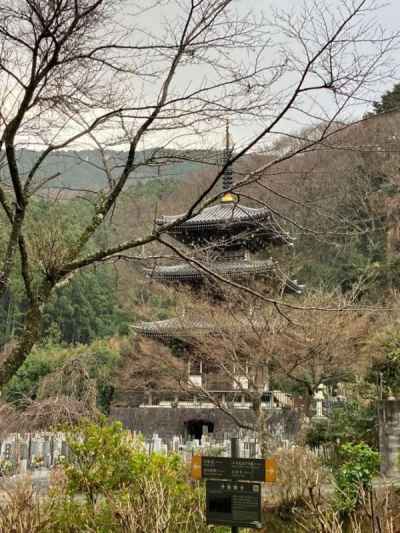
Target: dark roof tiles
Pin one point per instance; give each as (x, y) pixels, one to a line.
(173, 327)
(229, 268)
(220, 213)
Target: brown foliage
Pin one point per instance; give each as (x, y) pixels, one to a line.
(44, 415)
(21, 510)
(147, 365)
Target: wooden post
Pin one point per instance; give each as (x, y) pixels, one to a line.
(235, 454)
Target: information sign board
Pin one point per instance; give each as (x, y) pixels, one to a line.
(233, 503)
(236, 469)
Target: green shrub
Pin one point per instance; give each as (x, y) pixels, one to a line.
(99, 359)
(354, 477)
(113, 485)
(25, 382)
(353, 422)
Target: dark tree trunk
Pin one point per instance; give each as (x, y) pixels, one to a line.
(29, 337)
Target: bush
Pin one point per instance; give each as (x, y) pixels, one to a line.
(352, 422)
(124, 488)
(109, 484)
(354, 477)
(299, 473)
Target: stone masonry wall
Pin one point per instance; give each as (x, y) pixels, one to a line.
(168, 422)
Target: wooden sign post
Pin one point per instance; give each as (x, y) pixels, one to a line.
(233, 487)
(235, 452)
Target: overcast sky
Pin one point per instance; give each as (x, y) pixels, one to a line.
(388, 17)
(154, 19)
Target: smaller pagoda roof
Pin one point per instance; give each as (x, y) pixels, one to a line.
(234, 270)
(173, 327)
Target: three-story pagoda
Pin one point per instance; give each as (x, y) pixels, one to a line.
(227, 234)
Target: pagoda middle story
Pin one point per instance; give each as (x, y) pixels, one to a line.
(223, 238)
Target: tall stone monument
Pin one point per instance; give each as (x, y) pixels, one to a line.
(389, 437)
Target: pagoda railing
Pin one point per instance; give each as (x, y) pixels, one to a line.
(237, 399)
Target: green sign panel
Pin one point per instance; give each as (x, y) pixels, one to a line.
(235, 469)
(232, 503)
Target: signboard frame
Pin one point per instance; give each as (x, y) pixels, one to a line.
(233, 503)
(233, 487)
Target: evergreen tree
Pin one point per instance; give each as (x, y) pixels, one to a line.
(86, 309)
(390, 101)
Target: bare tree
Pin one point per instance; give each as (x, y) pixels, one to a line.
(231, 357)
(220, 355)
(76, 72)
(321, 348)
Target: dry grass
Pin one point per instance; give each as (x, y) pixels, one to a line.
(300, 472)
(154, 508)
(304, 501)
(379, 512)
(21, 510)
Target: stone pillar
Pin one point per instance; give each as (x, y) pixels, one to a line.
(319, 396)
(389, 437)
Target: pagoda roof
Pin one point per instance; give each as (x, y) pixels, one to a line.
(234, 270)
(228, 217)
(173, 327)
(223, 212)
(189, 327)
(190, 272)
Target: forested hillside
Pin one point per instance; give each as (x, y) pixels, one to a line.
(340, 203)
(91, 169)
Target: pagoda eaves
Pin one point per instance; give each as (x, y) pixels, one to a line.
(192, 327)
(173, 328)
(232, 270)
(225, 220)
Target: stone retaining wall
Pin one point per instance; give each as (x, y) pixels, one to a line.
(168, 422)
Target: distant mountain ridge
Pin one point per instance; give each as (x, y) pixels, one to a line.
(84, 169)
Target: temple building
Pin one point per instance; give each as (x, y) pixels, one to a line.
(220, 242)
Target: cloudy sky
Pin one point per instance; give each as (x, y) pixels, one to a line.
(388, 17)
(163, 13)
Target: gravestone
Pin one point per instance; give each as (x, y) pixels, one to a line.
(389, 437)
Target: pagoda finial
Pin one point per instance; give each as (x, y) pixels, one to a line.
(227, 139)
(227, 178)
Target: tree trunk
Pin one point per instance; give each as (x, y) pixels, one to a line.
(11, 252)
(29, 337)
(308, 398)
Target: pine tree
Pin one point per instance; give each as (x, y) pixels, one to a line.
(390, 101)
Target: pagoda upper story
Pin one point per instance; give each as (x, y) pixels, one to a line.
(239, 270)
(228, 225)
(221, 238)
